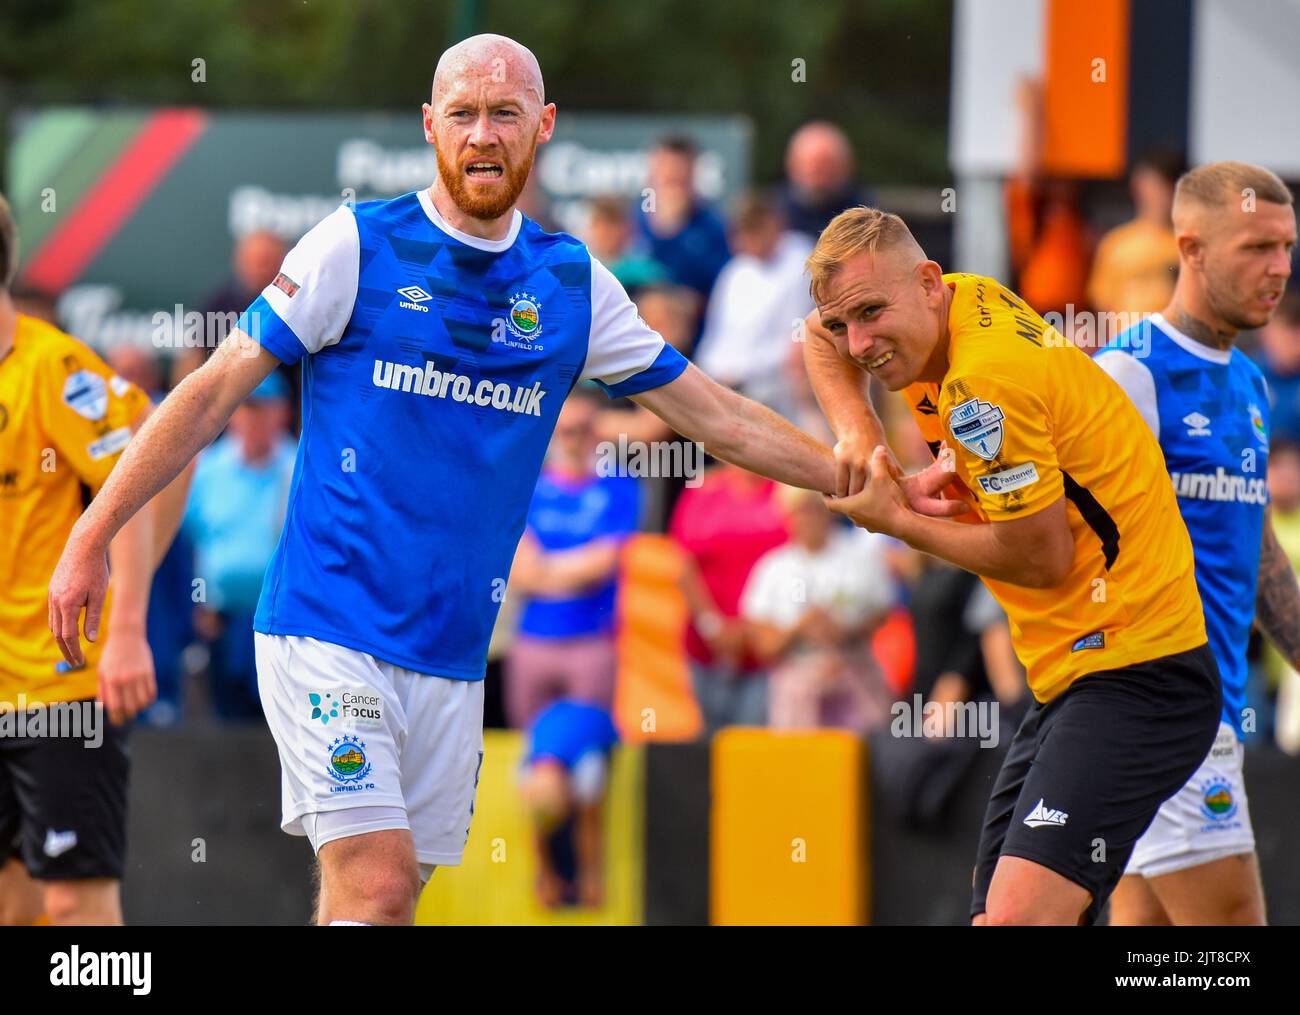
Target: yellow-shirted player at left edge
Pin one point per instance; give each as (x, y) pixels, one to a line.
(65, 419)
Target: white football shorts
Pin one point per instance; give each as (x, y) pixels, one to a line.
(1206, 820)
(366, 745)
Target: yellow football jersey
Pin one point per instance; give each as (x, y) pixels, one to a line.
(64, 419)
(1030, 418)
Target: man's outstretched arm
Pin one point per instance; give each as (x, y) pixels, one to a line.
(186, 422)
(740, 431)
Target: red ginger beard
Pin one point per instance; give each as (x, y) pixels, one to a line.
(498, 200)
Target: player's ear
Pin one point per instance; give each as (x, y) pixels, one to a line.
(547, 126)
(427, 114)
(931, 279)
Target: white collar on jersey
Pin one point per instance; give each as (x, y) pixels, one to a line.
(493, 246)
(1190, 344)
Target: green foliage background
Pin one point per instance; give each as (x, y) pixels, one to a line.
(880, 68)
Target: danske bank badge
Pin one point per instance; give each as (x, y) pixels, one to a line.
(977, 426)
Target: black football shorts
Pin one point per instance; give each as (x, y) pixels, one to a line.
(1086, 772)
(63, 800)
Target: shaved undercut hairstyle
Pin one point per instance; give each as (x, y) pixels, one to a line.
(1217, 183)
(851, 233)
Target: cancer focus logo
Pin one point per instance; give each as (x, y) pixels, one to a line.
(525, 320)
(348, 761)
(323, 707)
(1217, 801)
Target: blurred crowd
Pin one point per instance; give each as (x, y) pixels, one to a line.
(796, 620)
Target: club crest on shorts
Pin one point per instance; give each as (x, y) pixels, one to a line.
(977, 426)
(348, 761)
(1217, 801)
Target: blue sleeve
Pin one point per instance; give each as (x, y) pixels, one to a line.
(261, 323)
(667, 367)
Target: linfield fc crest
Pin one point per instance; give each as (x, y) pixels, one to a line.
(1217, 801)
(525, 318)
(1257, 423)
(977, 426)
(348, 761)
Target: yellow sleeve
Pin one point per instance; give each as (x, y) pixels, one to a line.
(1000, 433)
(89, 411)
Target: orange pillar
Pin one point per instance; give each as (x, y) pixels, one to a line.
(788, 829)
(1085, 96)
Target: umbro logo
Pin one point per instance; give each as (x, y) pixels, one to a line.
(414, 297)
(1197, 425)
(58, 843)
(926, 407)
(1041, 816)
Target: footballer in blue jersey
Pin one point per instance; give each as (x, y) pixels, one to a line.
(1208, 405)
(438, 334)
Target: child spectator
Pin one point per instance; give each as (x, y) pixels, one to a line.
(563, 783)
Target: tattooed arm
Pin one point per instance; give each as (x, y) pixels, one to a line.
(1277, 601)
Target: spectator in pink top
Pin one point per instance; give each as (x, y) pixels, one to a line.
(724, 526)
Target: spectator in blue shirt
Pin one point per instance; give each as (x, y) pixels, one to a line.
(567, 566)
(563, 782)
(678, 230)
(236, 510)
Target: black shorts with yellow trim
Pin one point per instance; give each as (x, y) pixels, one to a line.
(1086, 773)
(63, 797)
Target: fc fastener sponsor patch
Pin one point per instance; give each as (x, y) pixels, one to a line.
(110, 444)
(1009, 479)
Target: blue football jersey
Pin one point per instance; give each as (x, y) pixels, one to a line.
(434, 364)
(1209, 409)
